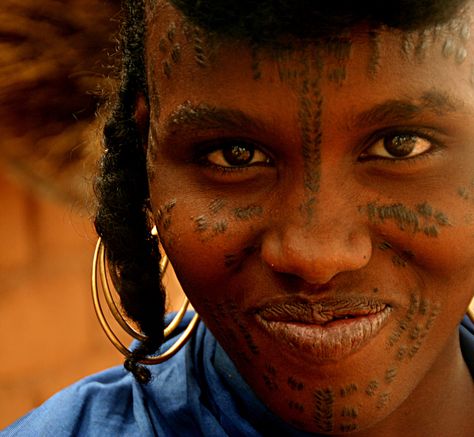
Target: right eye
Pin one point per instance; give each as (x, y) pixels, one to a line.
(236, 155)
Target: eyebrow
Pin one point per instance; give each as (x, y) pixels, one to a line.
(402, 110)
(207, 117)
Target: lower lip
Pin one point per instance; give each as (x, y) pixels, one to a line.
(330, 342)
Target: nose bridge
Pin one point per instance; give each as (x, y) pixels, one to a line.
(316, 237)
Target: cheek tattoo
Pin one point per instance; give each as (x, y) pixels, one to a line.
(422, 220)
(163, 216)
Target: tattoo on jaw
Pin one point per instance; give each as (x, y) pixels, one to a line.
(248, 212)
(324, 409)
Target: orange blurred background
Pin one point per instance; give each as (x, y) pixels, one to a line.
(57, 67)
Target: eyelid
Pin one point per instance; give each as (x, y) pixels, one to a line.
(205, 149)
(429, 134)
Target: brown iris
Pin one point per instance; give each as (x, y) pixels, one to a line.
(238, 155)
(400, 145)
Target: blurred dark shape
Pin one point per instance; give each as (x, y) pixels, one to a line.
(56, 68)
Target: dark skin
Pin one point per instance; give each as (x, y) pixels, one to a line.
(322, 184)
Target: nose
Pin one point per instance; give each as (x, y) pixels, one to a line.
(318, 252)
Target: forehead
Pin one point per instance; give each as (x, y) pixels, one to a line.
(186, 63)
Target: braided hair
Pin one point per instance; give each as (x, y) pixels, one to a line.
(123, 215)
(123, 219)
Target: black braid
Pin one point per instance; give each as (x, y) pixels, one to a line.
(122, 218)
(123, 215)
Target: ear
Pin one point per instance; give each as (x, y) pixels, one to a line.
(142, 118)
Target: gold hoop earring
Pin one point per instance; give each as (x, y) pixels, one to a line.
(470, 310)
(99, 274)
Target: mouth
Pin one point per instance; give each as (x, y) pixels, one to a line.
(327, 330)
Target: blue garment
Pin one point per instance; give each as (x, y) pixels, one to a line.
(197, 392)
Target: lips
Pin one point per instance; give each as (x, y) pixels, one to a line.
(327, 330)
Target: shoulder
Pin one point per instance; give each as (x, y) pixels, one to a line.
(113, 403)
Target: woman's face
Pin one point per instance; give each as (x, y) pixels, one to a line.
(317, 204)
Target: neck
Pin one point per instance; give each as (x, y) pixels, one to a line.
(440, 405)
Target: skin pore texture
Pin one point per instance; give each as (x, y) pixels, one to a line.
(316, 201)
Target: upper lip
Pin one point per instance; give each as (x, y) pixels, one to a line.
(319, 312)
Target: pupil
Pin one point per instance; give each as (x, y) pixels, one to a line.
(238, 155)
(400, 145)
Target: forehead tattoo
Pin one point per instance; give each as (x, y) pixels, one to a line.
(451, 39)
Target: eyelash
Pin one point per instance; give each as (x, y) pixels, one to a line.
(420, 133)
(205, 152)
(202, 156)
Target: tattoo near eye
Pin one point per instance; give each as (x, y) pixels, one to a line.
(398, 146)
(236, 155)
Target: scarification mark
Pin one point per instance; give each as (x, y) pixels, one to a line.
(220, 227)
(166, 69)
(171, 33)
(348, 390)
(407, 44)
(294, 384)
(424, 307)
(163, 46)
(415, 332)
(348, 427)
(236, 318)
(407, 218)
(383, 400)
(199, 48)
(248, 212)
(403, 258)
(176, 53)
(461, 55)
(374, 58)
(385, 245)
(421, 334)
(372, 388)
(163, 215)
(337, 75)
(201, 223)
(463, 192)
(422, 45)
(350, 412)
(339, 47)
(425, 210)
(324, 409)
(401, 353)
(296, 406)
(403, 324)
(307, 208)
(390, 375)
(311, 130)
(465, 32)
(216, 205)
(448, 47)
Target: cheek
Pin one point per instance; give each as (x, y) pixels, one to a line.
(206, 238)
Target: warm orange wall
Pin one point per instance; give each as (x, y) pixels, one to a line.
(49, 335)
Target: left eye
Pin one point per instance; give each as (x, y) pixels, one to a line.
(399, 146)
(237, 155)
